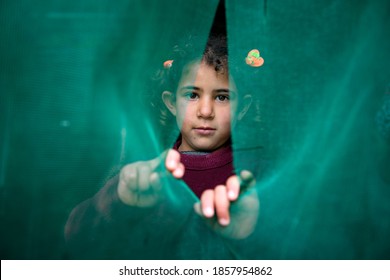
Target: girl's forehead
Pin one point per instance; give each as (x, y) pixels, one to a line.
(201, 70)
(192, 68)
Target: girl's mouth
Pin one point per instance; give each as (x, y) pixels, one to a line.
(205, 131)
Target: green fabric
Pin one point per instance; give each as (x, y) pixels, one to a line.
(75, 106)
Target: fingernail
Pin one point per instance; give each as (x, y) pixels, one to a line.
(223, 222)
(178, 173)
(171, 164)
(208, 212)
(232, 195)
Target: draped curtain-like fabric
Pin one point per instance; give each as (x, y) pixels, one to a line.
(76, 102)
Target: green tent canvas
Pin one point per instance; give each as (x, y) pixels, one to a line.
(74, 108)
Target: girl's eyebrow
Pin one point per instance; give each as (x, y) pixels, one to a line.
(220, 90)
(223, 90)
(189, 88)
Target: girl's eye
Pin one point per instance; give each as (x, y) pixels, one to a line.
(222, 98)
(190, 95)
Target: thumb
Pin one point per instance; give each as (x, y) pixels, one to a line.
(246, 179)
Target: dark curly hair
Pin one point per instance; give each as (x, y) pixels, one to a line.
(214, 54)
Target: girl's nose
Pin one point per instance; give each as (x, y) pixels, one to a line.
(206, 109)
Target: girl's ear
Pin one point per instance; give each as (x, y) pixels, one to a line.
(169, 101)
(247, 101)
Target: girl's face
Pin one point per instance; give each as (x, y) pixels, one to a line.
(204, 104)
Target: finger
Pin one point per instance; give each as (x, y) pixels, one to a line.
(222, 204)
(172, 160)
(179, 171)
(233, 187)
(155, 181)
(198, 209)
(127, 181)
(156, 162)
(207, 203)
(246, 179)
(128, 177)
(143, 174)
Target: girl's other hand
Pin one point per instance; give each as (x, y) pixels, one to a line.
(140, 182)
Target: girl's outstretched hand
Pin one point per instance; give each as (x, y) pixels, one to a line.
(140, 183)
(231, 209)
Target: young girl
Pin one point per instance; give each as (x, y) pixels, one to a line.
(199, 94)
(200, 97)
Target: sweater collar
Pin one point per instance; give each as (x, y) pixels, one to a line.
(217, 158)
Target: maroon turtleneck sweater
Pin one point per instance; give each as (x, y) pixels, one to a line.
(206, 171)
